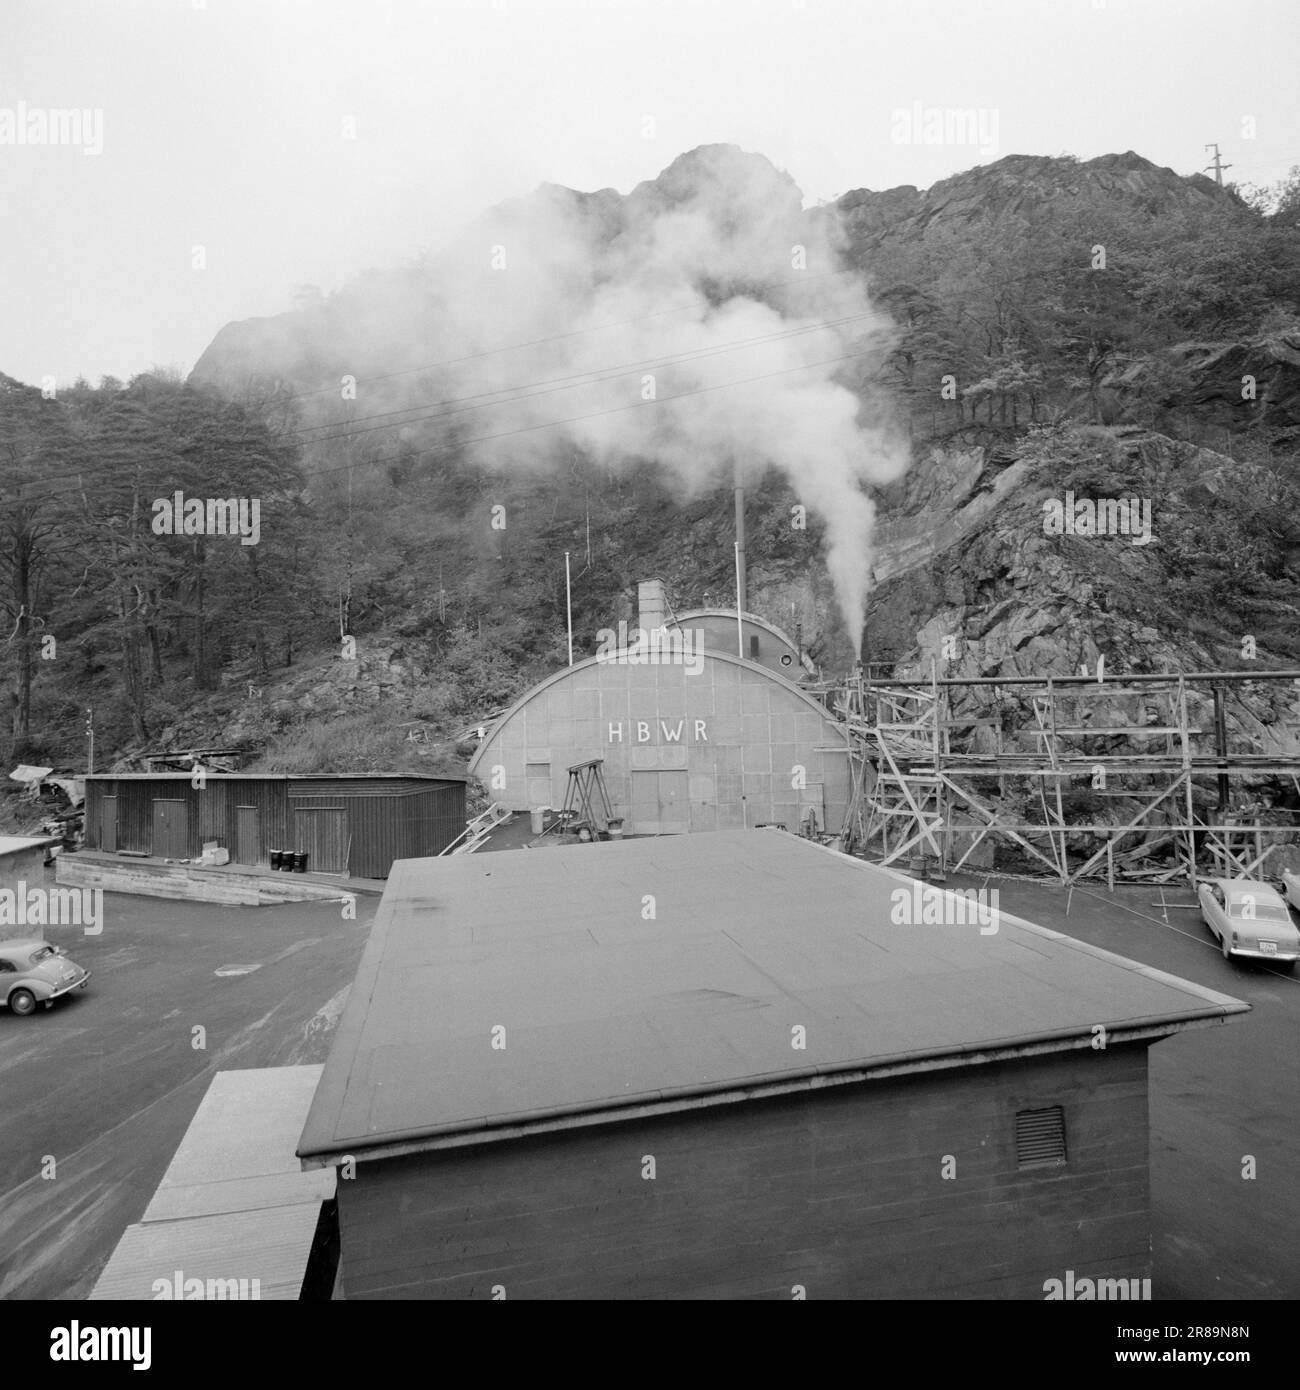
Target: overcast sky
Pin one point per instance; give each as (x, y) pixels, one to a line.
(224, 124)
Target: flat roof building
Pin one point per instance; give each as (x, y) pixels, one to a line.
(22, 859)
(733, 1065)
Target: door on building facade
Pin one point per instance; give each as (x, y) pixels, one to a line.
(661, 802)
(812, 809)
(171, 830)
(108, 825)
(537, 779)
(323, 834)
(247, 839)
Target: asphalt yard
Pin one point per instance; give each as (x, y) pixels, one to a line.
(1218, 1095)
(97, 1092)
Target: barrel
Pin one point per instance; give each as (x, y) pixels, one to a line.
(277, 858)
(538, 817)
(300, 862)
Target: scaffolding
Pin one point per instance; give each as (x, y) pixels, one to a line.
(930, 782)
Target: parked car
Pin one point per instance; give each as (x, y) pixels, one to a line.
(34, 972)
(1250, 919)
(1291, 888)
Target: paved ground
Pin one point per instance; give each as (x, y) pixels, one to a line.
(106, 1082)
(1217, 1094)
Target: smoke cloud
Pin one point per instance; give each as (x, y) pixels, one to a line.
(705, 323)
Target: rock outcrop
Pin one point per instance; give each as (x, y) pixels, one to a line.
(971, 570)
(1016, 186)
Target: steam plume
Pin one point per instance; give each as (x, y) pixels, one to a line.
(711, 291)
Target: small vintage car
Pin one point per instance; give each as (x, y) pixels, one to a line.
(34, 972)
(1250, 918)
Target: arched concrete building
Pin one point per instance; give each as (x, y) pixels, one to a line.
(763, 642)
(691, 739)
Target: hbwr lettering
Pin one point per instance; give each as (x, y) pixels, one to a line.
(640, 732)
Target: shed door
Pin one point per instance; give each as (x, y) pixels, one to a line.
(171, 830)
(323, 833)
(247, 836)
(661, 802)
(108, 824)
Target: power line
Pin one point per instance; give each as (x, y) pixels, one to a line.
(435, 407)
(1266, 163)
(436, 412)
(567, 420)
(348, 430)
(561, 383)
(685, 307)
(576, 333)
(595, 377)
(1218, 166)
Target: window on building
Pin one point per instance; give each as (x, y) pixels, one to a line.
(1040, 1137)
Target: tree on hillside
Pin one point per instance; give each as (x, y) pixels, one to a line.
(37, 446)
(1012, 380)
(150, 594)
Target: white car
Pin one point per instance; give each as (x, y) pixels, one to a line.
(1291, 887)
(1250, 919)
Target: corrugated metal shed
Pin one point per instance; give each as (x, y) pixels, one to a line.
(357, 825)
(753, 934)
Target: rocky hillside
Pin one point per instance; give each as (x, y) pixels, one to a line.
(975, 561)
(960, 547)
(1022, 187)
(431, 440)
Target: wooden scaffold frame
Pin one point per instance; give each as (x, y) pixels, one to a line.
(908, 783)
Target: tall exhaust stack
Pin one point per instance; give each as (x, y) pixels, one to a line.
(652, 606)
(741, 598)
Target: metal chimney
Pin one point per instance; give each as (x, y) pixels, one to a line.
(652, 605)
